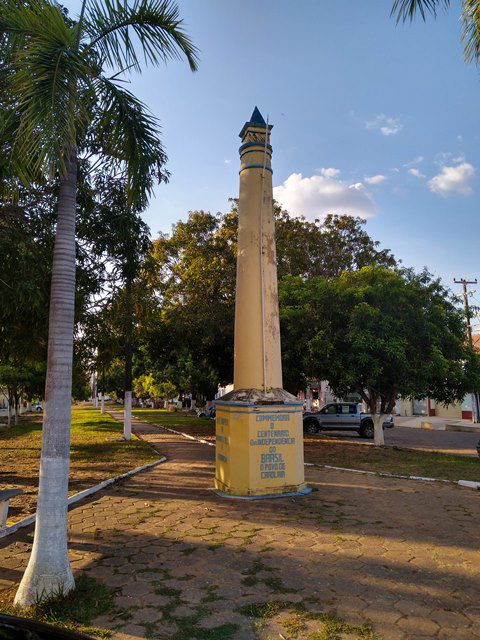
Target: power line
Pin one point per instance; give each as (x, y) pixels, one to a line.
(465, 283)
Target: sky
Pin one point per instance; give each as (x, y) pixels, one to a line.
(370, 118)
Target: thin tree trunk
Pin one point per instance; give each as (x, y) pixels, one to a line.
(102, 406)
(95, 399)
(48, 571)
(16, 399)
(378, 420)
(9, 412)
(127, 402)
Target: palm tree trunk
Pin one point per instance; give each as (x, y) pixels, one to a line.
(48, 571)
(127, 402)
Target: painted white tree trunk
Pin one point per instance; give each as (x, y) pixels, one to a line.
(48, 571)
(127, 416)
(102, 403)
(378, 420)
(29, 406)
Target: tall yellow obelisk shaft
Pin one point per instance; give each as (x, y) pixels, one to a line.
(258, 363)
(259, 433)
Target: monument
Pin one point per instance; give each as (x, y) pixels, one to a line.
(259, 431)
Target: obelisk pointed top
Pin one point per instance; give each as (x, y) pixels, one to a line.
(256, 120)
(257, 117)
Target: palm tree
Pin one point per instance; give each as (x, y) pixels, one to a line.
(408, 9)
(65, 104)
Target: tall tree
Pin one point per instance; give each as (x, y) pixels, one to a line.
(409, 9)
(382, 334)
(125, 239)
(63, 97)
(191, 282)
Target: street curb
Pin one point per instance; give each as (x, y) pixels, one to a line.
(81, 495)
(452, 427)
(461, 483)
(382, 474)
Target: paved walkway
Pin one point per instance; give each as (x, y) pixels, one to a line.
(401, 555)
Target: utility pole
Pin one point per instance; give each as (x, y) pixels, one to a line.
(465, 283)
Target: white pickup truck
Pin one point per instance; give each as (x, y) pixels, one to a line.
(342, 416)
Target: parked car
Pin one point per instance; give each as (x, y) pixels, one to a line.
(207, 413)
(38, 407)
(342, 416)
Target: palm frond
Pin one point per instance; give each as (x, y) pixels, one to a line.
(44, 73)
(407, 9)
(471, 30)
(114, 27)
(129, 135)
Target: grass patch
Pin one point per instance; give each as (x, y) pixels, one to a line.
(74, 611)
(269, 609)
(396, 460)
(191, 424)
(273, 582)
(93, 457)
(342, 454)
(331, 627)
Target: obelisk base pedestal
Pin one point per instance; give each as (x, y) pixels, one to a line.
(259, 445)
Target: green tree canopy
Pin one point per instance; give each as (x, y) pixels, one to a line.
(381, 333)
(191, 283)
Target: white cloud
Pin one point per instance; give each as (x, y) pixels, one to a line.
(227, 161)
(375, 179)
(453, 180)
(387, 125)
(329, 172)
(444, 157)
(318, 195)
(413, 162)
(415, 172)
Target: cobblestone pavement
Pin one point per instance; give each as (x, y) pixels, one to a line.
(402, 556)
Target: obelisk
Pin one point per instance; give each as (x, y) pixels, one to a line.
(259, 433)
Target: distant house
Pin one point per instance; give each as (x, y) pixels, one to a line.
(318, 392)
(428, 407)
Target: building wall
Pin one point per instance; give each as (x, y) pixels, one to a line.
(406, 408)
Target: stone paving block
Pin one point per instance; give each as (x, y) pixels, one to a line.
(135, 589)
(345, 547)
(147, 615)
(417, 626)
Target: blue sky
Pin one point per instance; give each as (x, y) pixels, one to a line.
(378, 119)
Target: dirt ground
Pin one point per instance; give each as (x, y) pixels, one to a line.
(95, 456)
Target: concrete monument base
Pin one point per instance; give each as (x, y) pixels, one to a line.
(259, 444)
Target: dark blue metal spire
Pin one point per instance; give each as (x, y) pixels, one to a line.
(257, 117)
